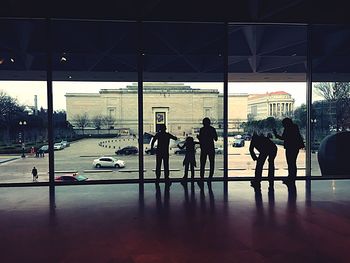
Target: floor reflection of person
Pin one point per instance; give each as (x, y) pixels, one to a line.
(293, 142)
(207, 135)
(162, 155)
(267, 150)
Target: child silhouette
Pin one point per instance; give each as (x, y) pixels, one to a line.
(190, 156)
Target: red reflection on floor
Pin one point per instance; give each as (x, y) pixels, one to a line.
(119, 223)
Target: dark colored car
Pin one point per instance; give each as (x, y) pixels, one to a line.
(238, 143)
(44, 148)
(151, 152)
(247, 137)
(180, 151)
(70, 178)
(127, 150)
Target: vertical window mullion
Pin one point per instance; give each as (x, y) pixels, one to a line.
(140, 99)
(225, 56)
(50, 112)
(309, 101)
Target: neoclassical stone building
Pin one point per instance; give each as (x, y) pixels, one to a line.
(180, 107)
(277, 104)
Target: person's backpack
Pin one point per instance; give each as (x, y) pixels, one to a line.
(300, 140)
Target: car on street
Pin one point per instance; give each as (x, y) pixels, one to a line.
(247, 137)
(177, 150)
(65, 144)
(219, 150)
(151, 151)
(238, 143)
(127, 150)
(44, 148)
(70, 178)
(58, 146)
(180, 151)
(108, 162)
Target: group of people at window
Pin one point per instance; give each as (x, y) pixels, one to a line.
(292, 141)
(206, 138)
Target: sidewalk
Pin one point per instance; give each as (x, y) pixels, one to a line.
(8, 158)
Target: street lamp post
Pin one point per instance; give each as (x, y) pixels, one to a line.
(22, 124)
(313, 124)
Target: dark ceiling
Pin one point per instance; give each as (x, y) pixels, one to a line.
(277, 11)
(106, 50)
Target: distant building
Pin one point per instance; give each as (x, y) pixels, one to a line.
(237, 111)
(277, 104)
(181, 108)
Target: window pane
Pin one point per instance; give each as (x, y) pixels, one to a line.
(23, 101)
(183, 74)
(330, 116)
(267, 65)
(94, 63)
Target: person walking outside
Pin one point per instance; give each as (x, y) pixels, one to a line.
(267, 150)
(293, 142)
(162, 154)
(35, 174)
(190, 157)
(207, 136)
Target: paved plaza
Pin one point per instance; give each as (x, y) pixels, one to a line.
(79, 156)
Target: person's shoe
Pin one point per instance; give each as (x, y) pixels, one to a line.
(167, 183)
(200, 184)
(255, 184)
(288, 182)
(285, 181)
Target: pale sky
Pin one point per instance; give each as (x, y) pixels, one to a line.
(24, 91)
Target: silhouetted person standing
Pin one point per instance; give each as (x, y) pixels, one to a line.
(162, 154)
(207, 136)
(190, 156)
(293, 142)
(267, 149)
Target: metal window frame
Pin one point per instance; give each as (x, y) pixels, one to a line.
(49, 79)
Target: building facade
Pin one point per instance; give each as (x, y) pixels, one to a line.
(277, 104)
(180, 107)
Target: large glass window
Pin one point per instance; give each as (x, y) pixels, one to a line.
(267, 74)
(95, 111)
(330, 113)
(23, 104)
(95, 91)
(183, 84)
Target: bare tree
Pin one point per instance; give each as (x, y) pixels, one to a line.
(98, 122)
(332, 91)
(337, 94)
(81, 120)
(109, 122)
(9, 109)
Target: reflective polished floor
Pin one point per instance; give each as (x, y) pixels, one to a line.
(125, 223)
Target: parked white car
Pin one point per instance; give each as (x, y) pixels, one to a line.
(219, 150)
(65, 144)
(108, 162)
(58, 146)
